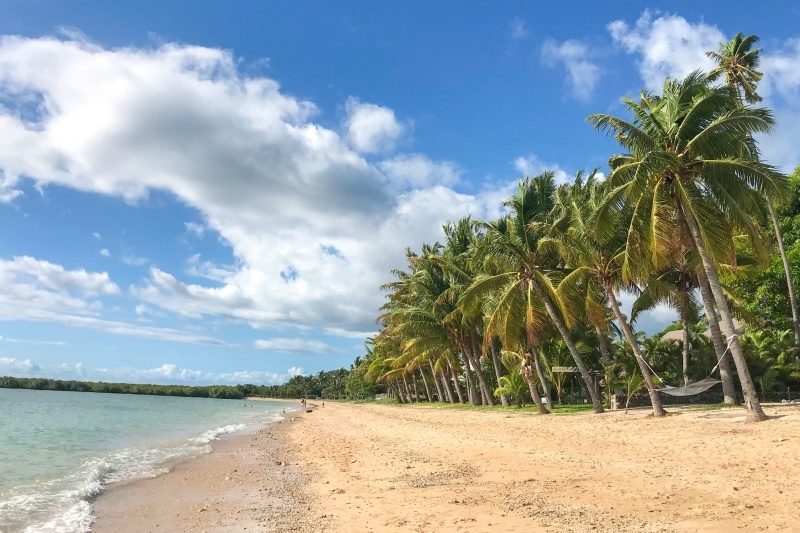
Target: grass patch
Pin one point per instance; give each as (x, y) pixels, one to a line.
(566, 409)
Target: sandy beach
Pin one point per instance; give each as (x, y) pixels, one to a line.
(420, 468)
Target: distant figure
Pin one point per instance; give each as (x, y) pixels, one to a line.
(323, 405)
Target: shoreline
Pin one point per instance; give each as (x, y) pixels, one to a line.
(248, 482)
(369, 467)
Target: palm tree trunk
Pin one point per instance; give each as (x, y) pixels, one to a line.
(396, 392)
(725, 370)
(562, 328)
(439, 393)
(406, 390)
(686, 344)
(493, 347)
(428, 396)
(472, 391)
(416, 389)
(474, 353)
(655, 399)
(754, 411)
(447, 386)
(542, 378)
(788, 271)
(457, 385)
(605, 360)
(605, 355)
(526, 371)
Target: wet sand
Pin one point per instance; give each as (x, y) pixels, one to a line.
(370, 467)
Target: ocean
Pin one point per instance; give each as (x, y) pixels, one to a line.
(59, 450)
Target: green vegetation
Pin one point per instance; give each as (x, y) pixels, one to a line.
(327, 385)
(213, 391)
(689, 215)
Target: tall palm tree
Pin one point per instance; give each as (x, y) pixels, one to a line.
(738, 61)
(522, 277)
(689, 161)
(595, 273)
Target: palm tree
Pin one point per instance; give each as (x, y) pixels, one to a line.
(688, 162)
(521, 277)
(512, 385)
(738, 61)
(595, 277)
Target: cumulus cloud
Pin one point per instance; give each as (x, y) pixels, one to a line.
(279, 189)
(104, 252)
(582, 74)
(294, 346)
(371, 128)
(668, 45)
(532, 166)
(418, 171)
(12, 365)
(32, 287)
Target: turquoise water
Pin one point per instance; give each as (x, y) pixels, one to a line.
(58, 450)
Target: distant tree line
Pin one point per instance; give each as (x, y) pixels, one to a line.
(212, 391)
(332, 384)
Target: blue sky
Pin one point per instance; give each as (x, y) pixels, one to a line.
(198, 192)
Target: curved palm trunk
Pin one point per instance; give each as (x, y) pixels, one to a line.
(396, 392)
(787, 270)
(686, 344)
(754, 411)
(562, 329)
(439, 393)
(457, 385)
(406, 389)
(526, 371)
(655, 399)
(472, 391)
(475, 352)
(447, 386)
(428, 395)
(542, 378)
(605, 355)
(605, 359)
(496, 363)
(720, 347)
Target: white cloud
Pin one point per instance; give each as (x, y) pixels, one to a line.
(582, 74)
(531, 166)
(194, 227)
(416, 171)
(26, 341)
(282, 191)
(294, 346)
(517, 27)
(143, 310)
(8, 182)
(31, 285)
(96, 236)
(296, 371)
(371, 128)
(104, 252)
(134, 260)
(668, 45)
(12, 365)
(167, 373)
